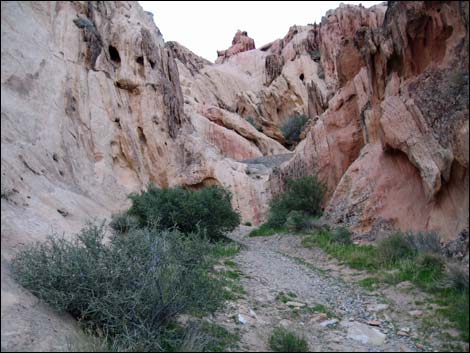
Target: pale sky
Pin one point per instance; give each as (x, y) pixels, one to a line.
(207, 26)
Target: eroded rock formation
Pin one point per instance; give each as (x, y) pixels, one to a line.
(240, 43)
(95, 105)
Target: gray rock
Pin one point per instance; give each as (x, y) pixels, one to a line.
(364, 334)
(377, 307)
(241, 319)
(328, 323)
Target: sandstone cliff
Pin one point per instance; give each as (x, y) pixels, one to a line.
(95, 105)
(392, 146)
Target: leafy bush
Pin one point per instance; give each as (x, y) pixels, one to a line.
(304, 194)
(342, 236)
(394, 248)
(295, 221)
(208, 209)
(293, 127)
(128, 290)
(282, 340)
(122, 222)
(406, 245)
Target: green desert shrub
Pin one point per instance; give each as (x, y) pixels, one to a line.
(304, 195)
(293, 127)
(457, 277)
(128, 290)
(341, 235)
(283, 340)
(394, 248)
(208, 209)
(424, 242)
(408, 245)
(123, 222)
(429, 270)
(296, 221)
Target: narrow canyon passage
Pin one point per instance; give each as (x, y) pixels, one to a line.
(305, 291)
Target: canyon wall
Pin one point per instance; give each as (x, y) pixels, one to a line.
(392, 146)
(96, 105)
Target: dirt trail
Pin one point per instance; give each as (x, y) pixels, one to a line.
(321, 301)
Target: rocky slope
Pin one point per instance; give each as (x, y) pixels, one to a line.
(95, 105)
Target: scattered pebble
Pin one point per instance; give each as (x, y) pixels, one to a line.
(328, 323)
(241, 319)
(377, 307)
(415, 313)
(295, 304)
(373, 322)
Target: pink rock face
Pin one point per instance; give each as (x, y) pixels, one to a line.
(340, 59)
(240, 43)
(390, 145)
(331, 144)
(382, 191)
(418, 113)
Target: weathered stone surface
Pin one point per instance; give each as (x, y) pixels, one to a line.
(92, 109)
(95, 105)
(333, 142)
(418, 105)
(338, 29)
(404, 129)
(240, 43)
(363, 333)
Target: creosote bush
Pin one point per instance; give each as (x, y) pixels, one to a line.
(293, 127)
(405, 245)
(128, 290)
(394, 248)
(283, 340)
(208, 209)
(303, 195)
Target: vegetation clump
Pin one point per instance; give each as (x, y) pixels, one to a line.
(303, 195)
(341, 235)
(129, 290)
(282, 340)
(208, 210)
(293, 127)
(414, 257)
